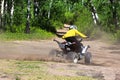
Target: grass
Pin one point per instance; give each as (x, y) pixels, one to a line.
(39, 35)
(31, 70)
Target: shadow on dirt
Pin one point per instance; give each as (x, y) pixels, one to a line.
(96, 64)
(117, 77)
(115, 52)
(91, 73)
(87, 72)
(111, 48)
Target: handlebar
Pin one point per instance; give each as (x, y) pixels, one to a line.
(80, 40)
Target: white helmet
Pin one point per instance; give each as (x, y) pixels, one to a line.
(73, 27)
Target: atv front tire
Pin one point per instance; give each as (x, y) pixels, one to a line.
(72, 56)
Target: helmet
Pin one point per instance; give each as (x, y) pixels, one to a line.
(73, 27)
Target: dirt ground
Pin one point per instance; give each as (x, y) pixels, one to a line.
(105, 58)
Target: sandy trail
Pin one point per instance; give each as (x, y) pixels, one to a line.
(105, 61)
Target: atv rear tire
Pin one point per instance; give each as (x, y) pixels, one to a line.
(88, 58)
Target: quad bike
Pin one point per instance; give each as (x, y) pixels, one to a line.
(68, 49)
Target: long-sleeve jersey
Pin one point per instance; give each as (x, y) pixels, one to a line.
(73, 32)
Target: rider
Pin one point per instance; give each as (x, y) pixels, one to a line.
(70, 36)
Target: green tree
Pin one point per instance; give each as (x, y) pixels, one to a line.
(0, 15)
(49, 14)
(114, 6)
(27, 29)
(20, 12)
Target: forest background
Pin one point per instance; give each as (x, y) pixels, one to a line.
(39, 19)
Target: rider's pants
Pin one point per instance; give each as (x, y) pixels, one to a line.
(78, 45)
